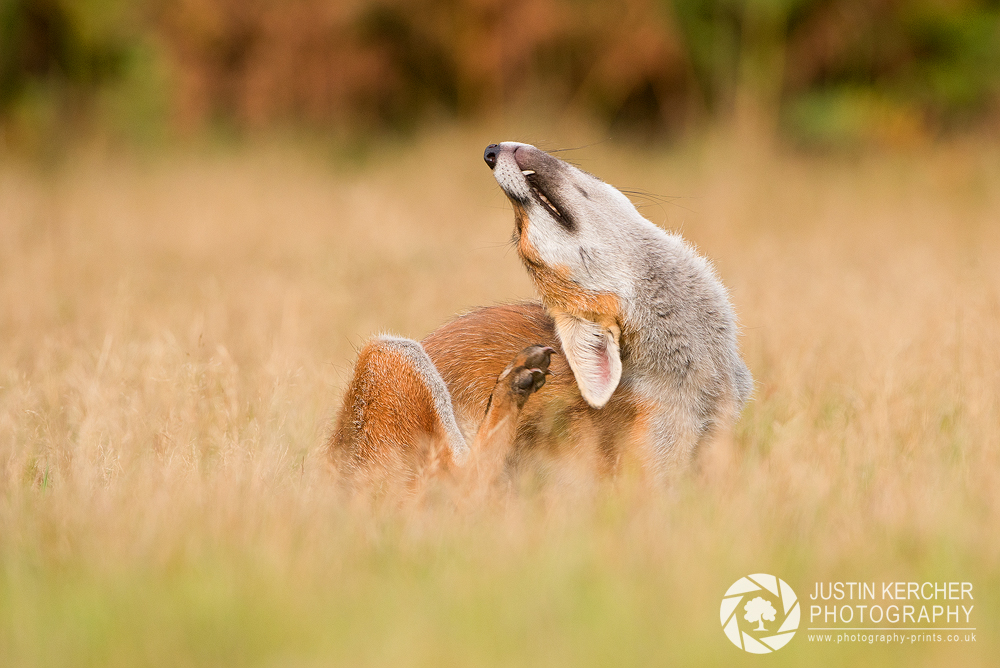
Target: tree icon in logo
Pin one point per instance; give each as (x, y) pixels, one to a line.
(758, 610)
(763, 597)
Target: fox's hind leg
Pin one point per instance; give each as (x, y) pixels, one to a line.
(396, 415)
(524, 376)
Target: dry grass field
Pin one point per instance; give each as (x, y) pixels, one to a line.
(175, 332)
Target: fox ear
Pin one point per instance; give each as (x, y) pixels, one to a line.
(592, 352)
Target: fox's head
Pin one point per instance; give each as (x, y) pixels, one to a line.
(579, 238)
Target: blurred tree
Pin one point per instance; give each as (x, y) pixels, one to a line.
(737, 48)
(891, 71)
(255, 62)
(58, 56)
(833, 71)
(398, 62)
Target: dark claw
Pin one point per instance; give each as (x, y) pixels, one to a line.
(535, 357)
(539, 377)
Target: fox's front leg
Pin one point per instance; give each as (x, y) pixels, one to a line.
(522, 377)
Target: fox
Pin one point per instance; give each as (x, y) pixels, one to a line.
(634, 340)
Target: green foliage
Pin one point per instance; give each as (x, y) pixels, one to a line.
(64, 61)
(900, 72)
(956, 70)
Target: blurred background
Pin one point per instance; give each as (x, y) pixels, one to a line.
(822, 73)
(207, 206)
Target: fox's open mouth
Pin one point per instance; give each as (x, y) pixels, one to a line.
(544, 189)
(536, 185)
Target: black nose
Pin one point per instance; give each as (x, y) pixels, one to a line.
(490, 156)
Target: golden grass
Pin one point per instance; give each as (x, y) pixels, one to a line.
(175, 333)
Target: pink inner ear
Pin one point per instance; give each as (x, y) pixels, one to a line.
(603, 363)
(604, 368)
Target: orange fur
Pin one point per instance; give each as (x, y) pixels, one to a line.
(387, 418)
(470, 353)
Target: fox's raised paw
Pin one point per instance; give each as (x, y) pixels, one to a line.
(526, 374)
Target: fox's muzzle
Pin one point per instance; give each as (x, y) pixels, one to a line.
(527, 174)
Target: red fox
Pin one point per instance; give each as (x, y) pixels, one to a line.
(634, 341)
